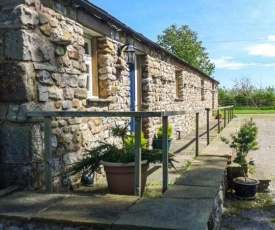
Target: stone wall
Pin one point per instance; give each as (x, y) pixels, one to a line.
(159, 94)
(42, 69)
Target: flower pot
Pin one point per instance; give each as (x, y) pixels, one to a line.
(245, 189)
(87, 180)
(218, 116)
(121, 177)
(158, 143)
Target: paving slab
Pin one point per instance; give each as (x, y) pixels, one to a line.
(202, 175)
(23, 205)
(9, 190)
(185, 205)
(95, 211)
(190, 192)
(205, 160)
(166, 214)
(218, 147)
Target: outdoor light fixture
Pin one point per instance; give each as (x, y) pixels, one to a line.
(129, 51)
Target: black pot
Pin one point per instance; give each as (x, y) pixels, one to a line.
(245, 189)
(87, 180)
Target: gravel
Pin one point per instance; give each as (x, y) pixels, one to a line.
(264, 158)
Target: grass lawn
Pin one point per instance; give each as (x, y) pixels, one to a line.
(254, 111)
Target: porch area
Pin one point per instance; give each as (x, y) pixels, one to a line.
(193, 199)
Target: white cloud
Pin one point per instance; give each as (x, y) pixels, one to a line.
(264, 50)
(268, 65)
(227, 63)
(271, 38)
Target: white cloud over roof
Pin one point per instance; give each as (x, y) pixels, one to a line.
(264, 50)
(227, 63)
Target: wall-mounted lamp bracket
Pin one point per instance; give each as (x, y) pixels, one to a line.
(129, 51)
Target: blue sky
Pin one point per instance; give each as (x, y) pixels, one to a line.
(239, 35)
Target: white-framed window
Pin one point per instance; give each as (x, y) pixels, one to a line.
(89, 66)
(90, 59)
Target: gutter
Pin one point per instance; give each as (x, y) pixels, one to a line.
(112, 21)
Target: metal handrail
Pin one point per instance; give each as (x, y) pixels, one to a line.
(47, 115)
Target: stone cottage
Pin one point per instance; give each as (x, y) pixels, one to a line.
(69, 55)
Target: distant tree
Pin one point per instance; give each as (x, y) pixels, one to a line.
(183, 42)
(264, 97)
(244, 93)
(225, 97)
(243, 86)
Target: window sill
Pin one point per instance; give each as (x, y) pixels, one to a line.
(96, 99)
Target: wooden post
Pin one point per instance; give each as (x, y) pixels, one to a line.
(48, 154)
(207, 126)
(219, 125)
(165, 154)
(138, 156)
(197, 134)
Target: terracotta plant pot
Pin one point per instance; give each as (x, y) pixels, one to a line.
(218, 116)
(121, 177)
(245, 189)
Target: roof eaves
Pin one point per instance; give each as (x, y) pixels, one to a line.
(115, 23)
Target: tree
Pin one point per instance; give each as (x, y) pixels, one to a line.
(243, 86)
(183, 42)
(244, 93)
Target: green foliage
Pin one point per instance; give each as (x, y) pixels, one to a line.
(130, 141)
(111, 153)
(183, 42)
(262, 202)
(245, 140)
(225, 140)
(251, 169)
(160, 132)
(187, 164)
(244, 94)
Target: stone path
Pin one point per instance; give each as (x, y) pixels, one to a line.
(185, 205)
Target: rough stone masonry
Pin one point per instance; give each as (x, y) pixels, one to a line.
(42, 69)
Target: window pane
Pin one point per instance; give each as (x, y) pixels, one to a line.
(86, 47)
(88, 69)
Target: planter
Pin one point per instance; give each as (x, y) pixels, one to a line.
(121, 177)
(87, 180)
(218, 116)
(158, 143)
(245, 189)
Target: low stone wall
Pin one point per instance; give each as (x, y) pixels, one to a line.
(215, 218)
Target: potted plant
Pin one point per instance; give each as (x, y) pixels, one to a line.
(158, 139)
(244, 141)
(118, 162)
(219, 116)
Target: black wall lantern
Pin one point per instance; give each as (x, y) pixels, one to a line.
(129, 52)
